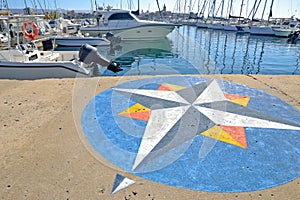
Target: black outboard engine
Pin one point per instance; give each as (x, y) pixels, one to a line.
(90, 56)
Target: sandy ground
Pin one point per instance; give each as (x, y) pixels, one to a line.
(43, 157)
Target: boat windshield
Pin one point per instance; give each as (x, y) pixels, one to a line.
(121, 16)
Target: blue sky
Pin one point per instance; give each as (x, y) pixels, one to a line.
(281, 8)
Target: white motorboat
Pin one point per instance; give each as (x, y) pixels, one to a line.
(77, 41)
(282, 32)
(261, 30)
(286, 28)
(27, 62)
(127, 26)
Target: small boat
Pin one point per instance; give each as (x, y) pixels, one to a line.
(77, 41)
(127, 26)
(27, 62)
(261, 30)
(282, 32)
(286, 28)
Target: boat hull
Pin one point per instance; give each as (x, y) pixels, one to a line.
(150, 32)
(282, 32)
(230, 27)
(243, 28)
(261, 30)
(217, 26)
(77, 41)
(201, 25)
(40, 70)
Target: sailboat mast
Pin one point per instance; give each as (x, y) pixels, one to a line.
(184, 7)
(262, 15)
(203, 8)
(255, 8)
(25, 3)
(241, 10)
(270, 14)
(159, 8)
(222, 8)
(230, 8)
(92, 7)
(214, 8)
(252, 10)
(41, 7)
(199, 2)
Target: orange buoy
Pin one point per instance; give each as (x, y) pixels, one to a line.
(33, 34)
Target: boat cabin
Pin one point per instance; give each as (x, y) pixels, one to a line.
(116, 15)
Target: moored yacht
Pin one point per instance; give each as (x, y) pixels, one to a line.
(286, 28)
(127, 26)
(282, 32)
(261, 30)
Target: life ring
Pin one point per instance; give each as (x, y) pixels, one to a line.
(33, 34)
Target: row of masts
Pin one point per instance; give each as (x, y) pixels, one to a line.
(225, 9)
(32, 6)
(35, 6)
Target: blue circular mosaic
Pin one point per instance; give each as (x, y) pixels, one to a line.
(196, 133)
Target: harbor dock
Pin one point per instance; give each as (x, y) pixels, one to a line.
(43, 155)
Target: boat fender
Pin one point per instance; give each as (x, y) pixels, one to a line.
(30, 34)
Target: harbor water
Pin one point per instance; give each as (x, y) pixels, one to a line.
(191, 50)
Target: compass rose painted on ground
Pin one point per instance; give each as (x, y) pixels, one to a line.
(196, 133)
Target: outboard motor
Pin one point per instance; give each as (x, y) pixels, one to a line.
(90, 56)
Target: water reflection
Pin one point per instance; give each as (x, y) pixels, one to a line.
(233, 53)
(189, 50)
